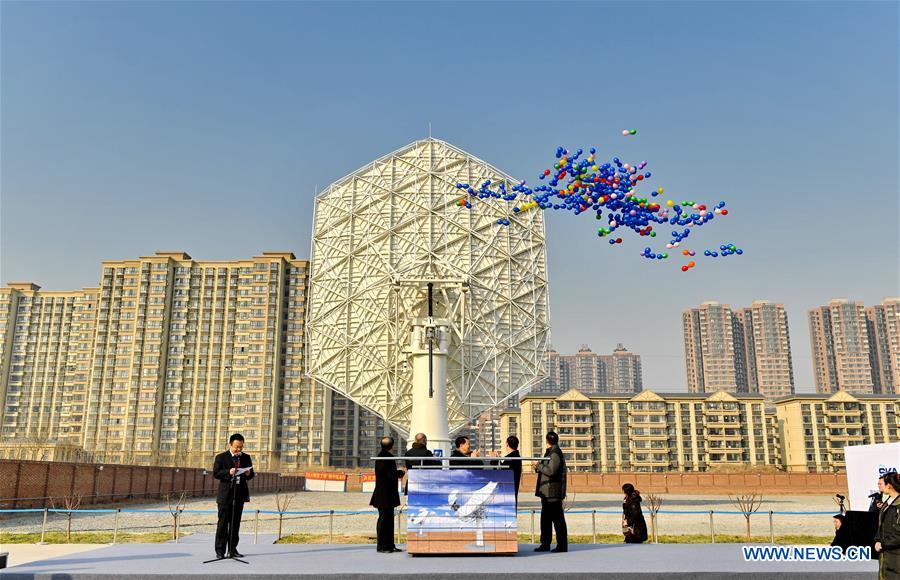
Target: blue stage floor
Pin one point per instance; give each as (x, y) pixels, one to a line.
(268, 561)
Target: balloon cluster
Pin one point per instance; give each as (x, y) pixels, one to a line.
(579, 183)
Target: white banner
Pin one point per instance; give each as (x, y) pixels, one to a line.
(865, 464)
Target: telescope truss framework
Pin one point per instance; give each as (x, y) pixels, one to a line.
(380, 235)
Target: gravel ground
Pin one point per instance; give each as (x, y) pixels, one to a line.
(364, 524)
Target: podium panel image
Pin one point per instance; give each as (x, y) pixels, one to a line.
(461, 511)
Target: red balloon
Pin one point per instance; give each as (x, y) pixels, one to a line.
(724, 212)
(684, 268)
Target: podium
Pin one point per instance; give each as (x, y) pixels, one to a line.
(461, 510)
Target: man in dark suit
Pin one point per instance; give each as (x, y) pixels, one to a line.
(233, 493)
(462, 447)
(512, 448)
(551, 488)
(386, 497)
(419, 449)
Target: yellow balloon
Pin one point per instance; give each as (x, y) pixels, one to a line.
(670, 203)
(660, 190)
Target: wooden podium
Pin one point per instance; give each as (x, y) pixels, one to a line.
(461, 510)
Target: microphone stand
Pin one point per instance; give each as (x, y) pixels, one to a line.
(230, 555)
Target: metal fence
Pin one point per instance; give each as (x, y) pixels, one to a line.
(177, 526)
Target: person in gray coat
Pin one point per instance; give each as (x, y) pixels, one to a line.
(551, 488)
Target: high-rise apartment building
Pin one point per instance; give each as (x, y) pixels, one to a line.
(41, 354)
(714, 349)
(883, 323)
(356, 434)
(165, 359)
(767, 347)
(839, 336)
(741, 351)
(619, 372)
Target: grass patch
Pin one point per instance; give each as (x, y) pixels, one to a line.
(87, 538)
(525, 538)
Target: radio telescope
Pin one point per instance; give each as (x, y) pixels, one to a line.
(385, 239)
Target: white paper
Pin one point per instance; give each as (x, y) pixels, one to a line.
(242, 470)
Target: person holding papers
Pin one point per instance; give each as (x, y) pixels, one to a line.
(233, 469)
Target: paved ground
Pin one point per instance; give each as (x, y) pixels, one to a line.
(25, 553)
(610, 523)
(184, 560)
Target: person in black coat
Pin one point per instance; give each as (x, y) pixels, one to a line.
(634, 527)
(462, 447)
(231, 495)
(419, 449)
(386, 497)
(887, 539)
(512, 450)
(551, 488)
(842, 536)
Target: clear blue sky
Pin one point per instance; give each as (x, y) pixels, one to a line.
(228, 115)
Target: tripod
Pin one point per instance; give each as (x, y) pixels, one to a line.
(231, 534)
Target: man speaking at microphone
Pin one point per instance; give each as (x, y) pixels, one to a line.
(232, 494)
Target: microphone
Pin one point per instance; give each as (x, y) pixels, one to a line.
(840, 497)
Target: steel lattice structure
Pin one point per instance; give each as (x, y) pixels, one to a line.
(379, 235)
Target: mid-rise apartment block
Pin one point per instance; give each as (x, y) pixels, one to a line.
(648, 431)
(815, 428)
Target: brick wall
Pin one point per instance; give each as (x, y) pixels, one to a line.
(684, 483)
(32, 484)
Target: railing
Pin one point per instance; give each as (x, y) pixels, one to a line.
(177, 525)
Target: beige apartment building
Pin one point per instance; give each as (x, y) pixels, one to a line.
(165, 359)
(40, 350)
(693, 432)
(647, 432)
(883, 323)
(842, 359)
(815, 428)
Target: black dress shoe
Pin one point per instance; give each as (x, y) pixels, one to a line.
(396, 550)
(236, 554)
(557, 550)
(220, 555)
(542, 549)
(385, 551)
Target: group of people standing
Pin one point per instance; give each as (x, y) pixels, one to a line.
(550, 487)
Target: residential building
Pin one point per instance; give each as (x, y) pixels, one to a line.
(619, 372)
(842, 357)
(814, 428)
(883, 323)
(647, 432)
(767, 348)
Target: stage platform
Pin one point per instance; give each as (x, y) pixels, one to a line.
(277, 562)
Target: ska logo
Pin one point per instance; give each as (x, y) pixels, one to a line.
(882, 470)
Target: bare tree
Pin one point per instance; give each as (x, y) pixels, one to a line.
(70, 504)
(656, 502)
(282, 503)
(748, 504)
(175, 509)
